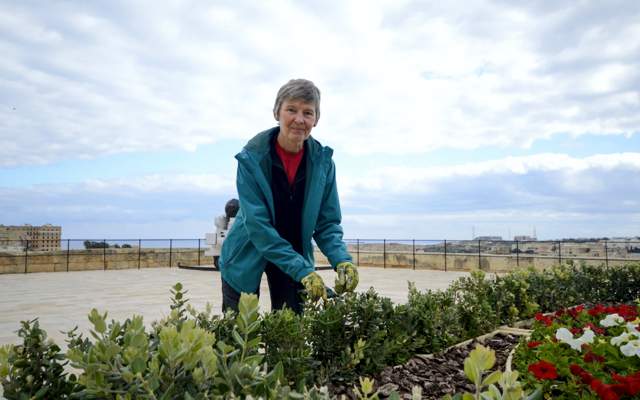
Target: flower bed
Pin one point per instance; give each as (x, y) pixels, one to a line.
(443, 373)
(584, 353)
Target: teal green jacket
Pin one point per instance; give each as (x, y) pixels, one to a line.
(253, 240)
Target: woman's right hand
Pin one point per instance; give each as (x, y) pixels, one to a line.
(314, 285)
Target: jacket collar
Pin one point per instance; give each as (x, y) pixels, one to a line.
(260, 145)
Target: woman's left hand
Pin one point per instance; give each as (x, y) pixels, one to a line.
(347, 279)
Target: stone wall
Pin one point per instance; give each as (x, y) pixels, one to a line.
(109, 259)
(99, 259)
(460, 262)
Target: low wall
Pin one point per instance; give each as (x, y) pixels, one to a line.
(110, 259)
(462, 262)
(99, 259)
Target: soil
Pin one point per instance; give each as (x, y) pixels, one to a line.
(438, 374)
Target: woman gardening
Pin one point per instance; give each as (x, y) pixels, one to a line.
(286, 183)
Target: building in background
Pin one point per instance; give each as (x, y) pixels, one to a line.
(41, 238)
(525, 238)
(488, 238)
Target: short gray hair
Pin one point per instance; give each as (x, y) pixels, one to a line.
(298, 89)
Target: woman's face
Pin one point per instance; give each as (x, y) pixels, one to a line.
(296, 119)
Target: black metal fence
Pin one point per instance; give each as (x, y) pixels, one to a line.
(516, 253)
(81, 254)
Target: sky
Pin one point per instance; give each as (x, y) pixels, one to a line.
(121, 119)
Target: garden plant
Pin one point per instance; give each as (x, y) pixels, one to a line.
(584, 353)
(329, 350)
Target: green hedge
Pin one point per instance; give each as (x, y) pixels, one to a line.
(196, 354)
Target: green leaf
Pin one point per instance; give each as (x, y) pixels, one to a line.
(483, 358)
(239, 339)
(98, 321)
(537, 395)
(138, 365)
(471, 371)
(494, 392)
(40, 393)
(492, 378)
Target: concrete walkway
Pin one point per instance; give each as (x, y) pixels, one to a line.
(62, 300)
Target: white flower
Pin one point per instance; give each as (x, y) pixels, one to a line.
(565, 336)
(631, 349)
(612, 320)
(622, 338)
(633, 328)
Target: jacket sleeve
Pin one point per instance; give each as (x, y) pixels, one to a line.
(261, 231)
(328, 231)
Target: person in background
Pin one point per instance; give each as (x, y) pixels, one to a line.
(223, 223)
(286, 182)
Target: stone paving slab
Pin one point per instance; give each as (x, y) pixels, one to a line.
(62, 300)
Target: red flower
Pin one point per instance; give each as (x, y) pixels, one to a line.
(627, 312)
(607, 392)
(547, 320)
(560, 313)
(597, 310)
(592, 357)
(631, 382)
(576, 331)
(581, 373)
(543, 370)
(594, 328)
(534, 344)
(575, 311)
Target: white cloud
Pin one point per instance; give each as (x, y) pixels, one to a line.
(397, 77)
(201, 183)
(561, 196)
(572, 172)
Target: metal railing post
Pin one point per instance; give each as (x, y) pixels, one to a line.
(26, 255)
(445, 255)
(479, 261)
(559, 253)
(198, 251)
(606, 254)
(104, 255)
(139, 251)
(384, 253)
(413, 241)
(170, 251)
(517, 254)
(358, 251)
(68, 245)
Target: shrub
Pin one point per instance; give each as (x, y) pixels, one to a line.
(434, 317)
(34, 369)
(285, 341)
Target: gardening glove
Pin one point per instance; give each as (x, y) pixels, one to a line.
(314, 285)
(347, 279)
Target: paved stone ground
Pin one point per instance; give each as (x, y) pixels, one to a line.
(62, 300)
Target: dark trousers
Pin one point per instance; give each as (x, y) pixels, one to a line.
(284, 291)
